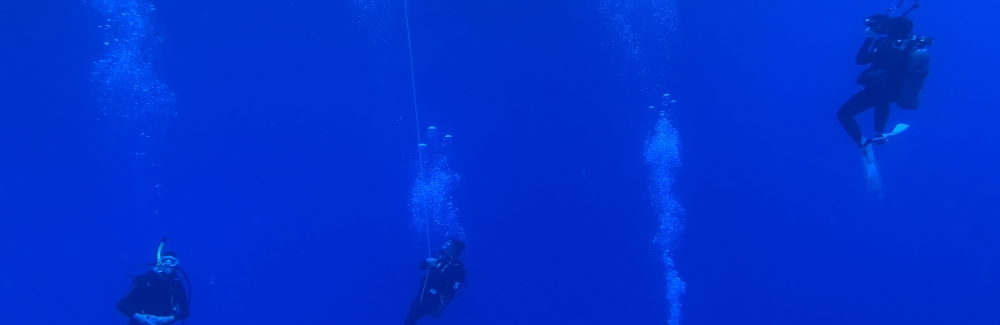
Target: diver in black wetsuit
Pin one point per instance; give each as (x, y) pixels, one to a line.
(444, 281)
(881, 81)
(157, 297)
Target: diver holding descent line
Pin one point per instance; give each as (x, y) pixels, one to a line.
(899, 64)
(444, 281)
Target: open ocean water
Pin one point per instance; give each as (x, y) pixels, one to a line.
(605, 161)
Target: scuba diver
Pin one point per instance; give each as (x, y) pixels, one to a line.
(157, 297)
(445, 279)
(893, 59)
(899, 64)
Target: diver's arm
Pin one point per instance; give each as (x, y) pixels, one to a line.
(183, 305)
(127, 304)
(460, 282)
(865, 56)
(455, 284)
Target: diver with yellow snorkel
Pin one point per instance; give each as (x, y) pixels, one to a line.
(157, 297)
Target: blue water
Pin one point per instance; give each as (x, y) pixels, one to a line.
(277, 144)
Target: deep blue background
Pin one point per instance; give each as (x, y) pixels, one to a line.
(285, 175)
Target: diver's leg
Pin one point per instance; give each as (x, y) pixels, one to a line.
(858, 103)
(411, 319)
(881, 117)
(417, 311)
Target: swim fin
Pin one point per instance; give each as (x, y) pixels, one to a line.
(871, 168)
(897, 130)
(885, 136)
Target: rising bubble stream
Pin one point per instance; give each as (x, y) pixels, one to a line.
(663, 158)
(434, 214)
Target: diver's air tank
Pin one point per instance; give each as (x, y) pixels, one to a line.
(913, 81)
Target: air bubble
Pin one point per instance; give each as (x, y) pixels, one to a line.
(127, 85)
(663, 158)
(430, 200)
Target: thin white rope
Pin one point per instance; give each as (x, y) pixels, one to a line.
(420, 152)
(416, 116)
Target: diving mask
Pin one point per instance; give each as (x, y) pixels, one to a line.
(168, 261)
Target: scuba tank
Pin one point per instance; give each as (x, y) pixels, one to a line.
(917, 68)
(913, 63)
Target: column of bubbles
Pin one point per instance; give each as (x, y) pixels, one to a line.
(375, 14)
(127, 86)
(663, 158)
(644, 28)
(430, 201)
(368, 7)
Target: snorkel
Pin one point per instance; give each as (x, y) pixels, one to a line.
(165, 263)
(159, 251)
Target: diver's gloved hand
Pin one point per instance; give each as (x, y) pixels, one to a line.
(869, 33)
(141, 318)
(157, 320)
(432, 261)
